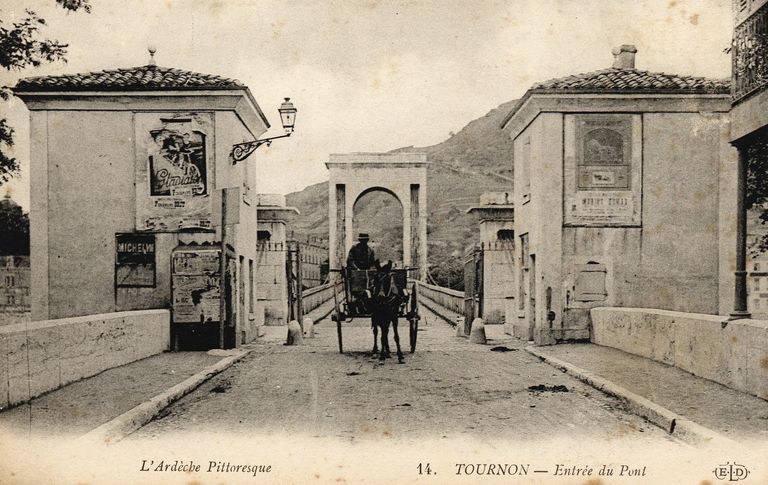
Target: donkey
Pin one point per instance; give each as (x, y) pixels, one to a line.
(384, 302)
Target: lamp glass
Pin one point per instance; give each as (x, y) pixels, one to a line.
(287, 115)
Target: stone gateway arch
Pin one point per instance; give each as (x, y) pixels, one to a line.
(404, 175)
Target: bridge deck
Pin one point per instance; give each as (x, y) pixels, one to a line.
(448, 388)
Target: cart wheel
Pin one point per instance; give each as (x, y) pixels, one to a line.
(338, 317)
(414, 324)
(413, 313)
(338, 331)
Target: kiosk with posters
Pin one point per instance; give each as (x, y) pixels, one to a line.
(197, 307)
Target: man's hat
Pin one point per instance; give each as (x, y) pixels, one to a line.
(363, 235)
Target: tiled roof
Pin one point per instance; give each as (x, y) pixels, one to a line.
(633, 80)
(616, 80)
(142, 78)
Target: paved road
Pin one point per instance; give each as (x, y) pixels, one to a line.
(448, 389)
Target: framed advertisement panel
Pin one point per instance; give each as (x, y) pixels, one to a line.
(603, 170)
(174, 171)
(135, 265)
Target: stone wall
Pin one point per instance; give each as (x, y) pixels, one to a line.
(734, 354)
(45, 355)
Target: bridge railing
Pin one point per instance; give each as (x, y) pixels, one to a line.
(312, 298)
(444, 302)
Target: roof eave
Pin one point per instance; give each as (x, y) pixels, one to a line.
(26, 94)
(625, 92)
(256, 106)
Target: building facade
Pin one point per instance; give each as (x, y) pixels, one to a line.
(497, 244)
(273, 252)
(622, 190)
(135, 199)
(749, 127)
(14, 284)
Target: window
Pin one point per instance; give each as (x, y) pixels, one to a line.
(505, 235)
(263, 236)
(252, 297)
(525, 176)
(10, 281)
(742, 5)
(521, 295)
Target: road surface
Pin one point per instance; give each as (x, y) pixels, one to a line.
(448, 389)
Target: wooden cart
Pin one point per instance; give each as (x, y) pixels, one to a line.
(356, 281)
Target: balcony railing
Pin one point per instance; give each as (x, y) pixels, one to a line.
(749, 53)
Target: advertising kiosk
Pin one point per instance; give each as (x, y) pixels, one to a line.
(201, 318)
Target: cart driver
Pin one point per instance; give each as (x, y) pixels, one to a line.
(361, 255)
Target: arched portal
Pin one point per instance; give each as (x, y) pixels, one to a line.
(378, 212)
(353, 175)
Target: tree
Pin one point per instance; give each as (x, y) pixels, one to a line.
(20, 47)
(14, 227)
(448, 273)
(757, 185)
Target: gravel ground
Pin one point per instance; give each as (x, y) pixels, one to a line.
(448, 389)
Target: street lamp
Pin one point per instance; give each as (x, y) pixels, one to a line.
(287, 115)
(287, 111)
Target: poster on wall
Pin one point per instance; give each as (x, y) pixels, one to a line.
(196, 286)
(174, 171)
(602, 206)
(602, 169)
(196, 299)
(134, 260)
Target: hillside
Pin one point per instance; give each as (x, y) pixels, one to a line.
(477, 159)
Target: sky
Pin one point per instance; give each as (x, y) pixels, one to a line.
(371, 75)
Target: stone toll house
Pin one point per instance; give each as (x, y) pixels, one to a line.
(127, 166)
(624, 190)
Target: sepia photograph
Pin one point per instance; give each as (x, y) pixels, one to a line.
(384, 241)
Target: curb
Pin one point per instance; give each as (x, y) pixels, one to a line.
(673, 423)
(128, 422)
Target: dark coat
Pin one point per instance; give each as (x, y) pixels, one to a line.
(361, 257)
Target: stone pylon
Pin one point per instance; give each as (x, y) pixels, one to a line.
(477, 333)
(295, 336)
(460, 326)
(309, 327)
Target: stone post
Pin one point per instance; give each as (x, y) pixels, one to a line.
(740, 293)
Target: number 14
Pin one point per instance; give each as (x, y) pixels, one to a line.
(425, 469)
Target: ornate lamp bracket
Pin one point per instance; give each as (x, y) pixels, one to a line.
(241, 151)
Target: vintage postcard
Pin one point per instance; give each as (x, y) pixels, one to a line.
(430, 241)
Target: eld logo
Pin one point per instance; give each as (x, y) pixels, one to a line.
(732, 472)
